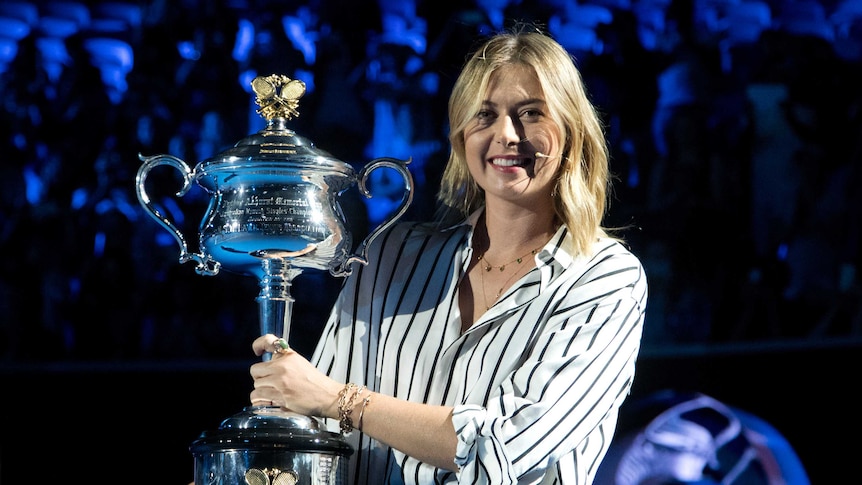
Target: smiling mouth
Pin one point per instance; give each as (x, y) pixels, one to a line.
(511, 162)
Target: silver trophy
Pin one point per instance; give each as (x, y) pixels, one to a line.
(273, 213)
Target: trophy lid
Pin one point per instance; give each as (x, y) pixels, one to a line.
(276, 147)
(270, 427)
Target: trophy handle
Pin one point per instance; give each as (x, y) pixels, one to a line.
(205, 264)
(362, 251)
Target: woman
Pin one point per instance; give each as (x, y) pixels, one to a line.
(499, 347)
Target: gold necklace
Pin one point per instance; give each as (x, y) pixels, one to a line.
(488, 267)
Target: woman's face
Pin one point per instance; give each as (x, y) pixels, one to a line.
(503, 140)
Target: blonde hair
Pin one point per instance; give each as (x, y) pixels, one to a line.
(583, 180)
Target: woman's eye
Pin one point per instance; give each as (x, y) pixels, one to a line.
(531, 113)
(485, 116)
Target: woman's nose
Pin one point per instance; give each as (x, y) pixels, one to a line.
(508, 134)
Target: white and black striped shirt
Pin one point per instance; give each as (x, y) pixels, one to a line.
(536, 383)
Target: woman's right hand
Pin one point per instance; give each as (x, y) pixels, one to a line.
(289, 380)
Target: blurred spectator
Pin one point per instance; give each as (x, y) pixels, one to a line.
(397, 87)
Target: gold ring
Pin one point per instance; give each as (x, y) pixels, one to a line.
(280, 346)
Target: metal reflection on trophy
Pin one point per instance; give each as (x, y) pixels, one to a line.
(273, 213)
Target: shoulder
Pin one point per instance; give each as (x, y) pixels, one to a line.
(412, 233)
(611, 257)
(417, 243)
(610, 264)
(614, 266)
(605, 253)
(612, 251)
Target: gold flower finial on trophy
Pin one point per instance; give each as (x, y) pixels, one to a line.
(277, 95)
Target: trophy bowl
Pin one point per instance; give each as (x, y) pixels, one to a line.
(273, 213)
(273, 196)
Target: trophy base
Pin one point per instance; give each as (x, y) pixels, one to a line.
(263, 445)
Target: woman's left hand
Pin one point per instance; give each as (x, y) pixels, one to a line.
(289, 380)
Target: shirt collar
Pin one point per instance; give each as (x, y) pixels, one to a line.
(553, 258)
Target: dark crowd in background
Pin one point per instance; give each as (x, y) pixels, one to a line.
(735, 129)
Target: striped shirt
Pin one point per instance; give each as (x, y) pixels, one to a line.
(536, 383)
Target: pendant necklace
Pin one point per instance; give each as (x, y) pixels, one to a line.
(487, 267)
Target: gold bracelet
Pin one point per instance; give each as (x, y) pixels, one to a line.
(362, 411)
(346, 399)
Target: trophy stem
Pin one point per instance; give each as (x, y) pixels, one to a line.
(275, 304)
